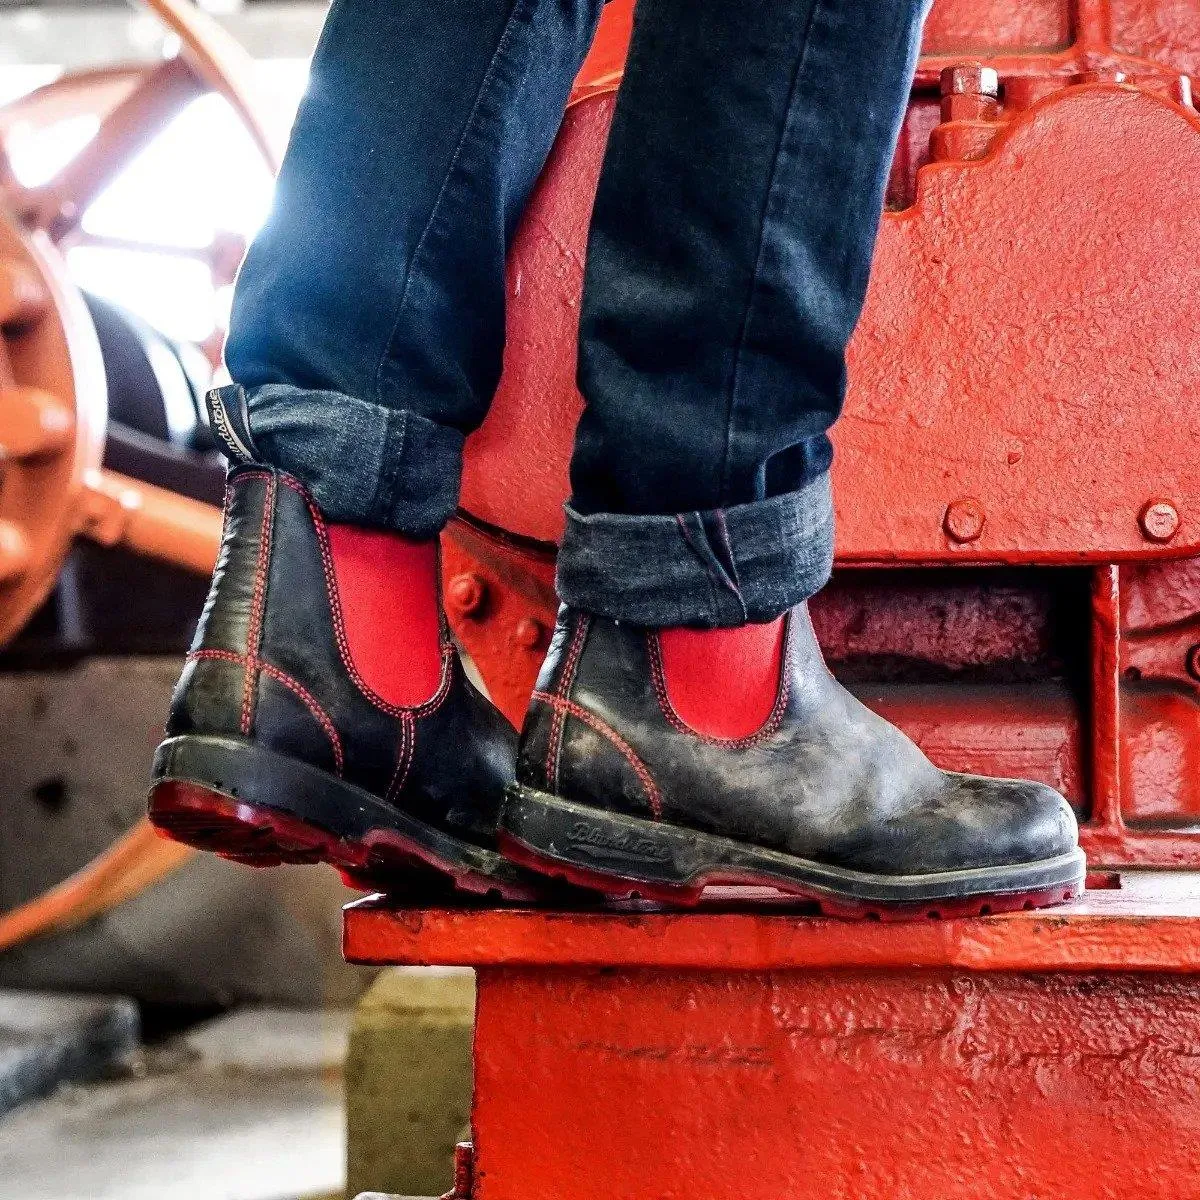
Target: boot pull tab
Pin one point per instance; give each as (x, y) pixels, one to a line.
(229, 418)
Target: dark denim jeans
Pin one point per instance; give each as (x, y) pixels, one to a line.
(726, 270)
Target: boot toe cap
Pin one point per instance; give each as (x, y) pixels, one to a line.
(1011, 821)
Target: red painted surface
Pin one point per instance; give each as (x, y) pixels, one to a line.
(647, 1084)
(719, 1054)
(1039, 271)
(966, 27)
(1103, 931)
(723, 683)
(387, 588)
(1022, 395)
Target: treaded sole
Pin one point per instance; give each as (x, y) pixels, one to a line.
(249, 805)
(631, 858)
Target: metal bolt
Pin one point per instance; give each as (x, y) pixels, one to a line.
(970, 79)
(531, 634)
(964, 520)
(1193, 662)
(466, 594)
(1159, 520)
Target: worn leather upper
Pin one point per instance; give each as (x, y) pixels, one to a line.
(270, 661)
(824, 778)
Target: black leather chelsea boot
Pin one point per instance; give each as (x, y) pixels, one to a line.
(323, 713)
(653, 763)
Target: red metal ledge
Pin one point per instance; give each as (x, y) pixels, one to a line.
(1150, 923)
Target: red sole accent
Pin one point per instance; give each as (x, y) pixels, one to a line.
(692, 894)
(256, 836)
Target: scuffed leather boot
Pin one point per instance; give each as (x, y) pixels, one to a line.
(655, 762)
(323, 713)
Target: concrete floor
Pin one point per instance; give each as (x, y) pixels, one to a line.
(247, 1107)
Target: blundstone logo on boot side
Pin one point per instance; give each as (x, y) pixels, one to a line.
(600, 841)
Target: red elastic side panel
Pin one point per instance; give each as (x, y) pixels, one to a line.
(723, 682)
(387, 586)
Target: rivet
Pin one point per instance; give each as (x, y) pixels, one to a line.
(466, 594)
(1159, 520)
(1193, 662)
(530, 633)
(964, 520)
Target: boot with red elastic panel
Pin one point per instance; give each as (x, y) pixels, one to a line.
(656, 762)
(323, 713)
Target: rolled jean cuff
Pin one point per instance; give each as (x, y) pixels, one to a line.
(363, 463)
(751, 562)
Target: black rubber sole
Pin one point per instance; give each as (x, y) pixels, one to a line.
(234, 798)
(629, 856)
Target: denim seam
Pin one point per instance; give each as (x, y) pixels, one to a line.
(711, 576)
(519, 6)
(732, 570)
(770, 209)
(391, 464)
(784, 545)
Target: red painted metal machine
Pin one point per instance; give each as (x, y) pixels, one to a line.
(1018, 495)
(1018, 468)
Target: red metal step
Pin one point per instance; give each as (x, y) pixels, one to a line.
(633, 1054)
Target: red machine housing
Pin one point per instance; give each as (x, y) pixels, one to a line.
(1018, 467)
(711, 1055)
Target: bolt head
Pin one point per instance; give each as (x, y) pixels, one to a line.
(466, 594)
(970, 79)
(1159, 520)
(964, 520)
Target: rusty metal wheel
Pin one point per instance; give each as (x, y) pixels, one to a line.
(52, 413)
(53, 403)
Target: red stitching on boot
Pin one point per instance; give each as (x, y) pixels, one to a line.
(220, 655)
(563, 688)
(339, 628)
(405, 753)
(653, 796)
(657, 674)
(254, 630)
(294, 686)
